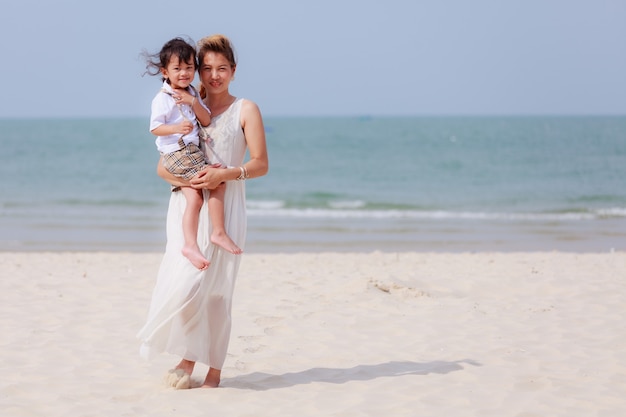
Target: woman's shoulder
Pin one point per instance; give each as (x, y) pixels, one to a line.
(249, 107)
(250, 114)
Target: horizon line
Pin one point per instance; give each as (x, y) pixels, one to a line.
(328, 116)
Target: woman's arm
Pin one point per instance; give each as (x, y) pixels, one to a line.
(252, 124)
(165, 174)
(257, 166)
(212, 176)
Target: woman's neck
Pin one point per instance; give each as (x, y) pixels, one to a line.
(218, 103)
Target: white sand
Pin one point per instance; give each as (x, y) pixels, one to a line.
(409, 334)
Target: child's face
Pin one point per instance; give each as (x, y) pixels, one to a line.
(179, 73)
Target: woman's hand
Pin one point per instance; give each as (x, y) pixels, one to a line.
(209, 178)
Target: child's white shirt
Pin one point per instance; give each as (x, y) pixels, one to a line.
(165, 111)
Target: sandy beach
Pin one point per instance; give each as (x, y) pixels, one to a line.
(327, 334)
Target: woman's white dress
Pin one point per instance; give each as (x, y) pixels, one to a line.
(190, 310)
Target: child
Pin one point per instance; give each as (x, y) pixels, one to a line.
(175, 109)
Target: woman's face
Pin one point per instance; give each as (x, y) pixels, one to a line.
(216, 73)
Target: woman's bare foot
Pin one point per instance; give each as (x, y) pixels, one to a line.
(195, 257)
(212, 379)
(186, 366)
(223, 240)
(180, 377)
(177, 379)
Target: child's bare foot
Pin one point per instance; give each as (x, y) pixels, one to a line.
(223, 240)
(195, 257)
(212, 379)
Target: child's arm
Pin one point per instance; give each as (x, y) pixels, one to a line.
(202, 113)
(182, 128)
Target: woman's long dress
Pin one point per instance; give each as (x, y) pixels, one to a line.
(190, 311)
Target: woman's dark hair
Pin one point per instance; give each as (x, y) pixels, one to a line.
(177, 47)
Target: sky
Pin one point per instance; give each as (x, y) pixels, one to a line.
(67, 58)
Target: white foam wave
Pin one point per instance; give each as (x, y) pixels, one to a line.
(346, 204)
(612, 212)
(265, 204)
(431, 215)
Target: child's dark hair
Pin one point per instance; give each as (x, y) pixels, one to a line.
(177, 47)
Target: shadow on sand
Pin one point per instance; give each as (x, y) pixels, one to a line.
(261, 381)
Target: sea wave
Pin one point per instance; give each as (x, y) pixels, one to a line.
(281, 211)
(346, 204)
(336, 209)
(612, 212)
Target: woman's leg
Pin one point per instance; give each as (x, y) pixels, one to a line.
(186, 366)
(212, 379)
(180, 376)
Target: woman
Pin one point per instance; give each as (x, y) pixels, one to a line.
(190, 311)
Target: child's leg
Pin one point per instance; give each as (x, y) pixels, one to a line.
(190, 228)
(216, 213)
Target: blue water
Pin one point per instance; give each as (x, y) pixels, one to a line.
(441, 183)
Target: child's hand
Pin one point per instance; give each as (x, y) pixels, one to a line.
(182, 96)
(185, 127)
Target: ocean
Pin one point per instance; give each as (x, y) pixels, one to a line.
(335, 184)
